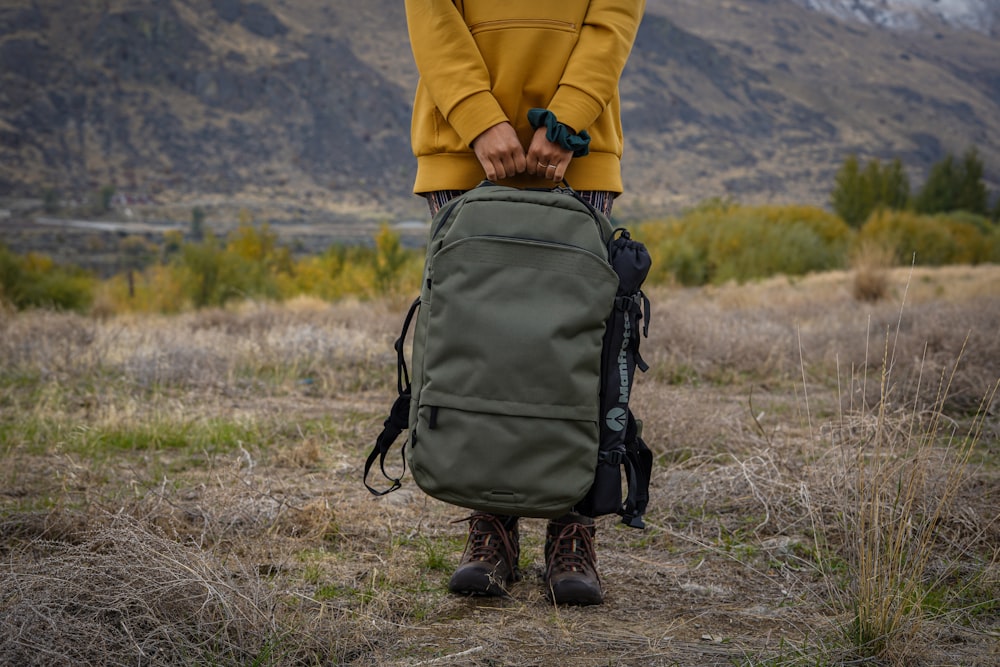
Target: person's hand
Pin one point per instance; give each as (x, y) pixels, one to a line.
(547, 159)
(500, 152)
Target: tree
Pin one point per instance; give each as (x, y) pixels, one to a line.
(50, 200)
(105, 197)
(197, 223)
(971, 195)
(895, 186)
(390, 257)
(848, 197)
(954, 186)
(858, 193)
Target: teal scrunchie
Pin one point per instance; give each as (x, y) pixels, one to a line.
(558, 133)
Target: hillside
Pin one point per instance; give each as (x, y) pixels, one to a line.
(300, 109)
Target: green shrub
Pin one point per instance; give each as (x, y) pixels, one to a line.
(251, 264)
(714, 244)
(35, 281)
(104, 197)
(954, 238)
(209, 276)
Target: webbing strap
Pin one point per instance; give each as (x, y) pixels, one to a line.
(399, 415)
(636, 303)
(637, 462)
(639, 469)
(402, 375)
(395, 423)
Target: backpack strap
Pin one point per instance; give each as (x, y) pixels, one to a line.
(399, 415)
(639, 469)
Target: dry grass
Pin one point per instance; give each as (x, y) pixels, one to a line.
(903, 475)
(871, 263)
(186, 490)
(125, 590)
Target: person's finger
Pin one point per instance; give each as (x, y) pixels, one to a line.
(520, 161)
(500, 169)
(499, 152)
(560, 171)
(543, 167)
(547, 159)
(507, 163)
(487, 165)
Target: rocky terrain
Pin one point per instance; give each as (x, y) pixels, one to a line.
(299, 110)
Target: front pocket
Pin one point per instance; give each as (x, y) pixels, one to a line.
(516, 327)
(506, 24)
(503, 464)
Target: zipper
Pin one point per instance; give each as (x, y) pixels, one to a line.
(536, 242)
(590, 208)
(445, 213)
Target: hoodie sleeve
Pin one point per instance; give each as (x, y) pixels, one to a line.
(451, 67)
(590, 80)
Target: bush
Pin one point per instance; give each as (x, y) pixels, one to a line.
(35, 281)
(937, 240)
(714, 244)
(870, 262)
(158, 289)
(252, 264)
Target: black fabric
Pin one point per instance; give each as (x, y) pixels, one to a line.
(639, 463)
(620, 449)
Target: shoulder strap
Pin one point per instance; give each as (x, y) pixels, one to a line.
(399, 415)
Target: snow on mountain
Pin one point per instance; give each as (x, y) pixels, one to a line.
(978, 15)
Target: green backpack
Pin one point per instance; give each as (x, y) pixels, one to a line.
(503, 408)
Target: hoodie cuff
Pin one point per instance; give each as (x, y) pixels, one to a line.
(474, 115)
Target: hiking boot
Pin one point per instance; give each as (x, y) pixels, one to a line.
(570, 561)
(489, 564)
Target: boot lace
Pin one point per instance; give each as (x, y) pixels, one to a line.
(489, 541)
(573, 551)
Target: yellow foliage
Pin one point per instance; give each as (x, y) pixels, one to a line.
(928, 240)
(38, 263)
(158, 289)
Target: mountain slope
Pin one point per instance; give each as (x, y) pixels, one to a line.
(978, 15)
(305, 105)
(762, 100)
(205, 97)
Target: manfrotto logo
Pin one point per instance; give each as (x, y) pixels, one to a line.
(616, 419)
(623, 387)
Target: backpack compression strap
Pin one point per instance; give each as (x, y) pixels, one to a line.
(639, 468)
(399, 415)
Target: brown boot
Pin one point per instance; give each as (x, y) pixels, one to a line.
(489, 564)
(571, 562)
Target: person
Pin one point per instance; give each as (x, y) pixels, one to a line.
(521, 93)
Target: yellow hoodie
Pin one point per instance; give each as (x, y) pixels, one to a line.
(483, 62)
